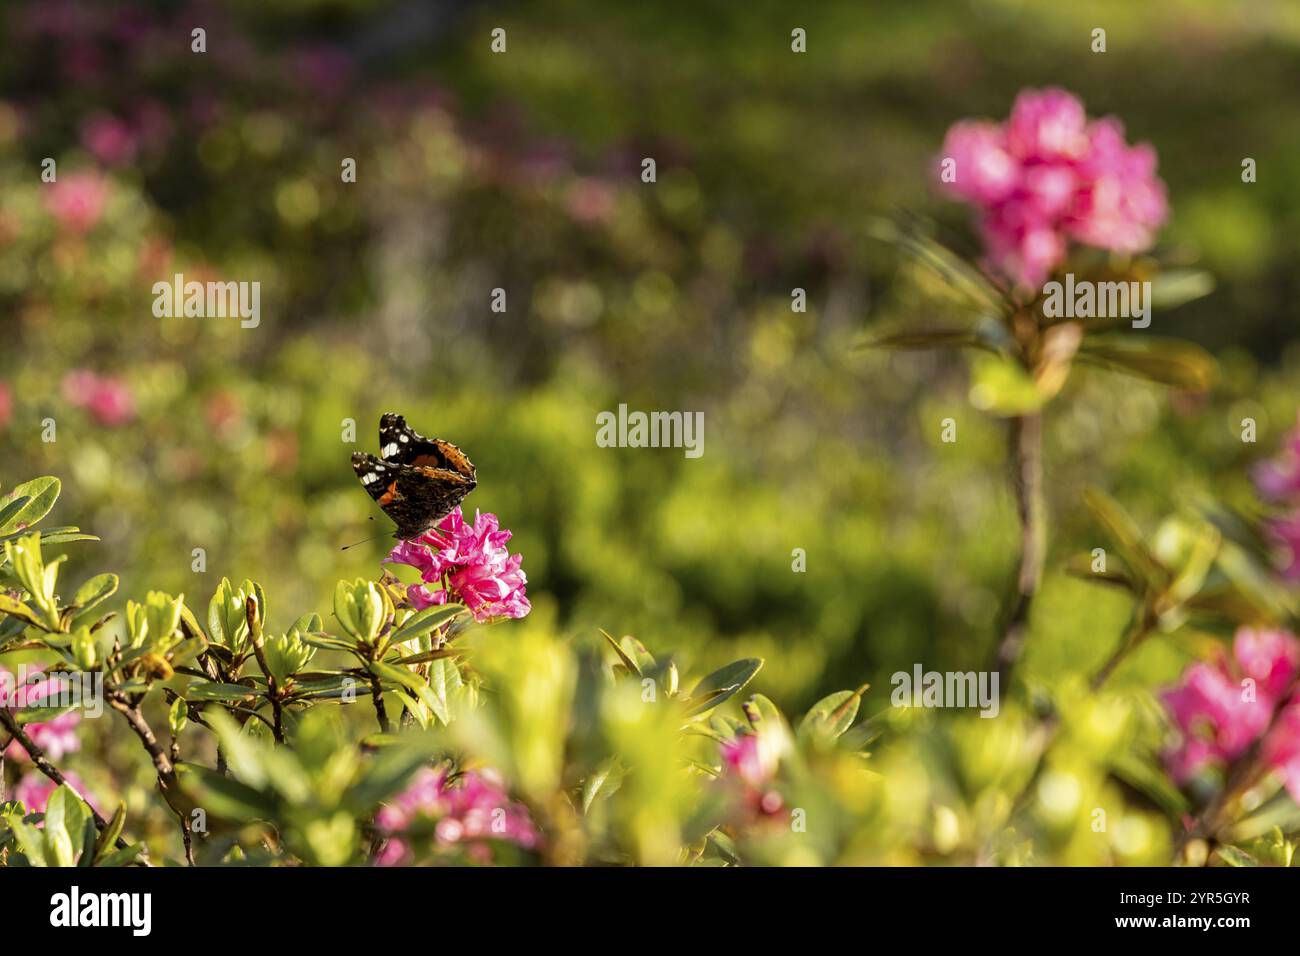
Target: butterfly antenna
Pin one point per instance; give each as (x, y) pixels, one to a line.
(362, 541)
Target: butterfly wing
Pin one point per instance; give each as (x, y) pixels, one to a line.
(419, 481)
(400, 444)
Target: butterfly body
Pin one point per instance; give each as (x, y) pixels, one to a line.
(418, 481)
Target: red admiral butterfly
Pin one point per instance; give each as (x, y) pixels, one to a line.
(419, 480)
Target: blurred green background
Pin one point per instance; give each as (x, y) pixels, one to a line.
(521, 170)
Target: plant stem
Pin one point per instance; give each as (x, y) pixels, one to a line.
(1026, 441)
(381, 712)
(44, 765)
(135, 719)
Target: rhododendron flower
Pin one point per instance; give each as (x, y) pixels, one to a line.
(109, 400)
(34, 791)
(464, 812)
(1048, 176)
(1219, 716)
(751, 761)
(77, 200)
(56, 737)
(1278, 478)
(109, 139)
(469, 563)
(6, 404)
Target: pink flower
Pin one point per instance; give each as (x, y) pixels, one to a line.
(1285, 532)
(470, 563)
(1046, 177)
(34, 790)
(464, 813)
(988, 173)
(6, 404)
(1281, 750)
(751, 761)
(109, 400)
(109, 139)
(1217, 714)
(1278, 478)
(745, 756)
(77, 201)
(56, 737)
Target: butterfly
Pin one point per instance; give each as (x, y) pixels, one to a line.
(418, 481)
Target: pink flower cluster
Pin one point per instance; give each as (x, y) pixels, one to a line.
(751, 761)
(1219, 715)
(108, 399)
(1278, 480)
(469, 563)
(77, 201)
(35, 789)
(1047, 176)
(56, 737)
(465, 814)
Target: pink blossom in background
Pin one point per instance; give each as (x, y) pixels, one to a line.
(108, 139)
(1049, 176)
(77, 200)
(1217, 724)
(1282, 749)
(6, 404)
(35, 789)
(56, 737)
(751, 760)
(479, 569)
(1278, 478)
(108, 399)
(464, 813)
(746, 756)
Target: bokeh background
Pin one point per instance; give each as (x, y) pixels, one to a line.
(521, 171)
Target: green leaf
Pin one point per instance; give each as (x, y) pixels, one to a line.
(9, 506)
(64, 816)
(925, 339)
(1176, 287)
(412, 682)
(226, 797)
(41, 493)
(31, 841)
(123, 857)
(104, 845)
(832, 715)
(17, 609)
(211, 690)
(623, 655)
(1232, 856)
(1126, 536)
(327, 642)
(438, 681)
(95, 591)
(607, 778)
(645, 662)
(422, 622)
(1163, 360)
(722, 684)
